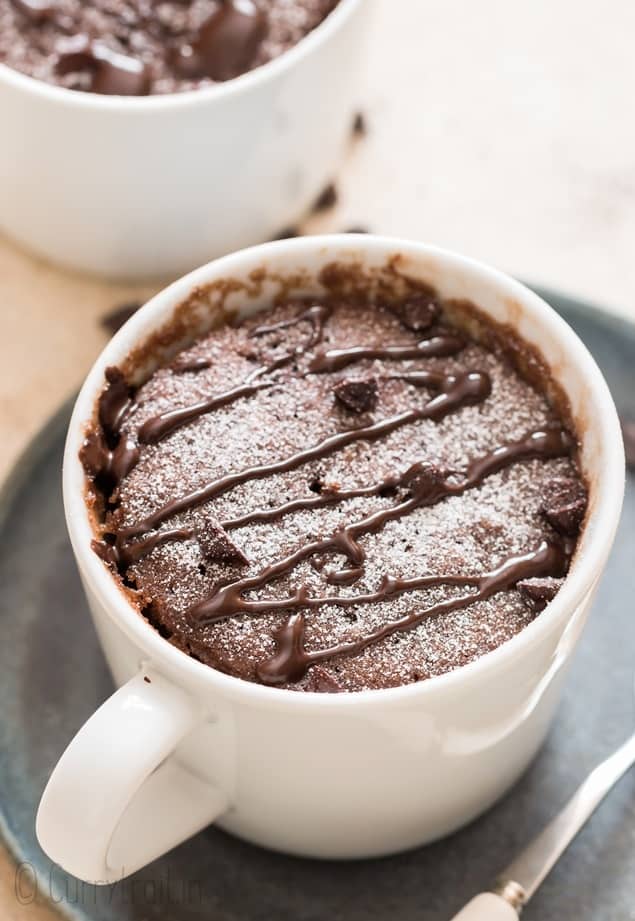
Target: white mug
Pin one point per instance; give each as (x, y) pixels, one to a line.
(343, 775)
(136, 187)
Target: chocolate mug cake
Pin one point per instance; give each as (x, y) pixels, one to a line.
(353, 491)
(137, 47)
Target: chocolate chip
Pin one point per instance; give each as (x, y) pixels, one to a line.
(537, 593)
(564, 503)
(115, 318)
(359, 396)
(226, 44)
(216, 544)
(360, 128)
(326, 199)
(417, 312)
(628, 433)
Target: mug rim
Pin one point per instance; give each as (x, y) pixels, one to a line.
(587, 565)
(243, 83)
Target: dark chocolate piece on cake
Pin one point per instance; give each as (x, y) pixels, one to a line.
(357, 395)
(418, 312)
(564, 505)
(539, 592)
(216, 544)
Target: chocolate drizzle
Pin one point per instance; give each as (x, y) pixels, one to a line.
(111, 450)
(164, 424)
(316, 315)
(291, 660)
(107, 455)
(158, 427)
(439, 346)
(426, 486)
(455, 391)
(191, 365)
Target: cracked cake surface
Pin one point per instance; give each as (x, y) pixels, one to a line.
(336, 496)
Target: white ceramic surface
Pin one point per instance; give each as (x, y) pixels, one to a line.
(326, 775)
(153, 186)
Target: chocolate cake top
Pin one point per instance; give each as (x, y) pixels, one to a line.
(337, 496)
(136, 47)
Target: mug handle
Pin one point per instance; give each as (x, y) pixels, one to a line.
(115, 800)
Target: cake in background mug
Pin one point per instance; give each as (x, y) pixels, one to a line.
(134, 48)
(160, 135)
(250, 468)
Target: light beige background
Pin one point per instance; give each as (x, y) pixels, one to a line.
(503, 130)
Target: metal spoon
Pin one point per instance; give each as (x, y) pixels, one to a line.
(519, 881)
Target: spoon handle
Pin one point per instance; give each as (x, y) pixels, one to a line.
(487, 907)
(521, 878)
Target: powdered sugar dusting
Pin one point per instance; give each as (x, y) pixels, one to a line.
(462, 535)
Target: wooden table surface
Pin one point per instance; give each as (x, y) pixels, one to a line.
(504, 131)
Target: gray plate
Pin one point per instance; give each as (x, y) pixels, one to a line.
(52, 677)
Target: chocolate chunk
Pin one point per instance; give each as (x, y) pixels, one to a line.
(359, 396)
(564, 503)
(326, 199)
(111, 73)
(417, 312)
(226, 43)
(628, 433)
(360, 128)
(115, 318)
(216, 544)
(537, 593)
